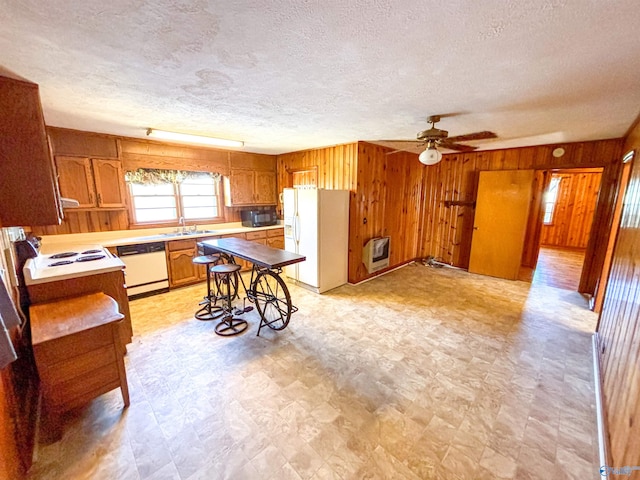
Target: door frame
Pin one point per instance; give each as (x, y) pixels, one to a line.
(535, 227)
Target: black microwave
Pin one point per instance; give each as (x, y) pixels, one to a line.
(259, 217)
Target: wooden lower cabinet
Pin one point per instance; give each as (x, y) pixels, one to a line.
(78, 352)
(180, 255)
(111, 283)
(182, 271)
(275, 238)
(259, 236)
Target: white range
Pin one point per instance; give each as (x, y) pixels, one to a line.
(79, 261)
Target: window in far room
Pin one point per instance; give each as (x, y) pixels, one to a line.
(550, 199)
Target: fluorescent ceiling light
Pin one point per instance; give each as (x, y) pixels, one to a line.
(184, 137)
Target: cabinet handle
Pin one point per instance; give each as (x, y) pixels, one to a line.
(91, 198)
(99, 199)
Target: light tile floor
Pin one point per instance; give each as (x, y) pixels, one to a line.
(421, 373)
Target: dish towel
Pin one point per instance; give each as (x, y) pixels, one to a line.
(8, 319)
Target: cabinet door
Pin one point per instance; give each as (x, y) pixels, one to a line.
(76, 180)
(265, 188)
(28, 190)
(276, 242)
(108, 181)
(182, 271)
(241, 187)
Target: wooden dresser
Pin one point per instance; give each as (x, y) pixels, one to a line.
(78, 351)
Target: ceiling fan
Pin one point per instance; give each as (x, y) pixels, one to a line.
(434, 137)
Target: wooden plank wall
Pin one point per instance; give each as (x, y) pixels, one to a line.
(335, 166)
(447, 230)
(619, 328)
(386, 203)
(385, 195)
(574, 210)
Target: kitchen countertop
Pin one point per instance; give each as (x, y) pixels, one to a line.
(56, 243)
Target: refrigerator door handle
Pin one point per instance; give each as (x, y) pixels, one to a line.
(296, 228)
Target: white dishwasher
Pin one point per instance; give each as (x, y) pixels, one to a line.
(145, 268)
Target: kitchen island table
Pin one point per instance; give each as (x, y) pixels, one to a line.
(266, 289)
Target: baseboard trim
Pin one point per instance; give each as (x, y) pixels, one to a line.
(382, 273)
(600, 415)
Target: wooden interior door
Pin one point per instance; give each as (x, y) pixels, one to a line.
(613, 235)
(536, 219)
(500, 223)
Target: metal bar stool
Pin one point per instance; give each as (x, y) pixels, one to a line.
(225, 277)
(209, 309)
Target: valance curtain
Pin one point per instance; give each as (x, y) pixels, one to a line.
(154, 176)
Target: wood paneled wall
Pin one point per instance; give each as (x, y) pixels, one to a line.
(619, 328)
(384, 189)
(385, 195)
(386, 203)
(573, 213)
(335, 166)
(450, 189)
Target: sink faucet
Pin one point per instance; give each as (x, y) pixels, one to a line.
(181, 222)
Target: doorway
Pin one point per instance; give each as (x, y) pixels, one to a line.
(567, 200)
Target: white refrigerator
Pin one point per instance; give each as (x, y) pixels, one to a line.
(316, 225)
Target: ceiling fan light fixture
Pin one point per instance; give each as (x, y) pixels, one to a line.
(430, 156)
(185, 137)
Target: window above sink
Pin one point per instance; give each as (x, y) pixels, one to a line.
(164, 196)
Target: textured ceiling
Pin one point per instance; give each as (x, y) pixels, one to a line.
(286, 75)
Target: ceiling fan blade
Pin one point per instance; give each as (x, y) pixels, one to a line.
(410, 146)
(473, 136)
(456, 146)
(398, 151)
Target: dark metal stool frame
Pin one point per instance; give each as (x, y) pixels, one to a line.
(270, 294)
(230, 324)
(210, 310)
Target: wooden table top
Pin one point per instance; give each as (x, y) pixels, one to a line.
(256, 253)
(71, 315)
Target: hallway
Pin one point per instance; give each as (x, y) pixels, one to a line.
(559, 267)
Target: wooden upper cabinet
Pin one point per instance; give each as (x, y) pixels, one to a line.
(28, 190)
(93, 182)
(250, 187)
(108, 179)
(265, 188)
(240, 188)
(76, 180)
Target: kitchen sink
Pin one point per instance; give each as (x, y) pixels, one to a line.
(188, 233)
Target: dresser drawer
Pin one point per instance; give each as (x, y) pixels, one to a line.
(70, 368)
(64, 348)
(79, 390)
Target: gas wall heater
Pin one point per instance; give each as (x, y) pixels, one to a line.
(375, 254)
